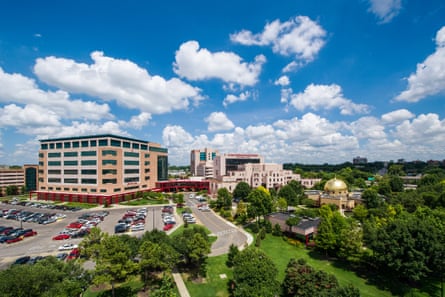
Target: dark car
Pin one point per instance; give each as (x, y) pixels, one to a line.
(120, 228)
(22, 260)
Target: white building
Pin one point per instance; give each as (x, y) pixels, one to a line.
(201, 162)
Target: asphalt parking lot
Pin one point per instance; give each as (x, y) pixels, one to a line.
(43, 245)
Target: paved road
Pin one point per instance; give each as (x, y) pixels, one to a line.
(226, 232)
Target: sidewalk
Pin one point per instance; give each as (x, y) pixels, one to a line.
(180, 285)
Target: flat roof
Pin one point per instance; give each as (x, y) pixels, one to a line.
(93, 136)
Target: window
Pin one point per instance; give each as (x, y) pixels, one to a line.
(103, 142)
(84, 143)
(40, 163)
(147, 155)
(93, 143)
(93, 190)
(84, 190)
(89, 181)
(70, 154)
(109, 171)
(40, 155)
(75, 144)
(109, 181)
(54, 171)
(70, 180)
(88, 154)
(70, 172)
(58, 145)
(131, 179)
(144, 147)
(67, 145)
(115, 143)
(54, 155)
(128, 162)
(117, 189)
(103, 190)
(147, 170)
(69, 163)
(58, 188)
(44, 146)
(51, 146)
(131, 154)
(88, 162)
(158, 149)
(131, 171)
(146, 163)
(66, 189)
(54, 163)
(109, 162)
(136, 146)
(89, 171)
(126, 144)
(109, 152)
(53, 180)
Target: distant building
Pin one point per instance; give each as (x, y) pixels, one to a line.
(201, 162)
(336, 192)
(307, 227)
(99, 168)
(359, 161)
(229, 162)
(23, 178)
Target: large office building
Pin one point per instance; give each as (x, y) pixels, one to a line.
(201, 162)
(99, 169)
(230, 162)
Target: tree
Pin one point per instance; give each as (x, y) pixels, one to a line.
(371, 198)
(12, 190)
(241, 212)
(156, 257)
(292, 221)
(260, 203)
(282, 204)
(303, 280)
(241, 191)
(233, 252)
(48, 277)
(114, 262)
(254, 274)
(396, 183)
(167, 288)
(90, 246)
(288, 193)
(224, 199)
(325, 239)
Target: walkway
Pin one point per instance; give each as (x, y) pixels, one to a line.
(180, 285)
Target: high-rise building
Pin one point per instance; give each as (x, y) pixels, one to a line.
(201, 162)
(230, 162)
(87, 168)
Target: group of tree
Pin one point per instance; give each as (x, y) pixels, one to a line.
(254, 274)
(116, 259)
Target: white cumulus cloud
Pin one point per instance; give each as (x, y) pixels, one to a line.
(429, 78)
(397, 116)
(218, 121)
(195, 63)
(385, 10)
(231, 98)
(320, 97)
(299, 37)
(115, 79)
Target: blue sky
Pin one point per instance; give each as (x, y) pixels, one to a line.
(296, 81)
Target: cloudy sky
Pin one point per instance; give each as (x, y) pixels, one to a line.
(296, 81)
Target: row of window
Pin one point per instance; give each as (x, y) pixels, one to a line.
(91, 171)
(93, 143)
(92, 163)
(92, 190)
(92, 181)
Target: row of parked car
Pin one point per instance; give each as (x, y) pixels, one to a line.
(81, 227)
(132, 220)
(63, 256)
(10, 234)
(45, 205)
(32, 217)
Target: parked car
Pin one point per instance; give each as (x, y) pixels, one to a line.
(22, 260)
(14, 239)
(138, 227)
(67, 247)
(168, 227)
(74, 254)
(62, 256)
(61, 237)
(120, 228)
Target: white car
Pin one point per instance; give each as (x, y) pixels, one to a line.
(67, 247)
(137, 227)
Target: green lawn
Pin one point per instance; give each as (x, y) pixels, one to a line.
(280, 251)
(142, 201)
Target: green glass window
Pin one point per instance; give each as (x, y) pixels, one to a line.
(69, 163)
(67, 145)
(109, 152)
(131, 154)
(89, 171)
(129, 162)
(54, 171)
(51, 146)
(44, 146)
(70, 180)
(109, 171)
(89, 162)
(103, 142)
(70, 171)
(93, 143)
(144, 147)
(131, 171)
(136, 146)
(109, 162)
(89, 181)
(126, 144)
(109, 181)
(75, 144)
(54, 163)
(58, 145)
(84, 143)
(70, 154)
(88, 153)
(115, 143)
(53, 180)
(54, 155)
(131, 179)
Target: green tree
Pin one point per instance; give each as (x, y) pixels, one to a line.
(241, 212)
(156, 257)
(167, 288)
(254, 274)
(90, 246)
(260, 203)
(282, 204)
(325, 239)
(396, 183)
(12, 190)
(114, 262)
(371, 198)
(288, 193)
(242, 190)
(303, 280)
(224, 199)
(233, 252)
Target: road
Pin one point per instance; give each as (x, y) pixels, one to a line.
(226, 232)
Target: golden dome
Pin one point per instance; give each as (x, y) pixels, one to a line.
(335, 185)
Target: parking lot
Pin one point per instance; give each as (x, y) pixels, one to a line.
(42, 244)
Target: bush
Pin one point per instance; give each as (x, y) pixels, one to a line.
(268, 226)
(262, 233)
(277, 230)
(254, 227)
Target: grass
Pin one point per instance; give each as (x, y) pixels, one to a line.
(81, 205)
(143, 201)
(127, 289)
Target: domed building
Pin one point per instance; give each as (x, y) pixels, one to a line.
(336, 192)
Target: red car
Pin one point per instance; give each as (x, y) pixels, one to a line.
(61, 237)
(168, 227)
(75, 225)
(14, 239)
(30, 233)
(74, 254)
